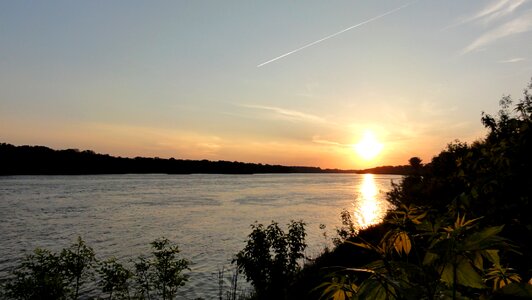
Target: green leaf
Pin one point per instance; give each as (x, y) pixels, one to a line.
(492, 255)
(338, 288)
(447, 274)
(468, 276)
(465, 275)
(483, 239)
(478, 262)
(430, 258)
(373, 289)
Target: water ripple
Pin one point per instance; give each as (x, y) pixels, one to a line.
(209, 216)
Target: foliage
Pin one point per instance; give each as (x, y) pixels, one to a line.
(114, 279)
(489, 178)
(40, 275)
(347, 230)
(143, 278)
(232, 293)
(167, 268)
(78, 260)
(339, 288)
(445, 238)
(47, 275)
(428, 260)
(270, 258)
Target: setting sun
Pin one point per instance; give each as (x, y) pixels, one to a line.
(368, 147)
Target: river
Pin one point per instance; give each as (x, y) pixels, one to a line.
(208, 216)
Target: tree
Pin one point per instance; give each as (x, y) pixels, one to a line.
(415, 163)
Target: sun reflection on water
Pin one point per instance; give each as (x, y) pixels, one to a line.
(369, 209)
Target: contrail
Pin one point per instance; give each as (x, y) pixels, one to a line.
(337, 33)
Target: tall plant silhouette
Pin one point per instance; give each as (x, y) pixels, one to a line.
(270, 258)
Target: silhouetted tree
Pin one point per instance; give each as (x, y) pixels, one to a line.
(415, 163)
(270, 258)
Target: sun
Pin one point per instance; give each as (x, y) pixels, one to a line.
(368, 147)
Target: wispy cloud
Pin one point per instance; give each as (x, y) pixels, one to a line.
(511, 60)
(493, 11)
(335, 34)
(319, 140)
(518, 25)
(502, 18)
(292, 115)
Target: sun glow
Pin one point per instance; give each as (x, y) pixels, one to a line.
(368, 147)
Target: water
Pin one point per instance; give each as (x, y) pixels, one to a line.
(209, 216)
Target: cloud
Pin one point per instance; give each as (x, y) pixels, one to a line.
(496, 16)
(318, 140)
(495, 10)
(518, 25)
(292, 115)
(511, 60)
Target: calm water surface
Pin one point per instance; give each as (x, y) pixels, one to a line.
(209, 216)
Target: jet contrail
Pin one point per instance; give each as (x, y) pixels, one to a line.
(335, 34)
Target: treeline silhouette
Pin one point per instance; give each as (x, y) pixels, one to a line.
(40, 160)
(390, 170)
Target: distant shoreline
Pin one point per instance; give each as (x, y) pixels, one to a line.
(41, 160)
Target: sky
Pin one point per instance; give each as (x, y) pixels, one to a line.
(277, 82)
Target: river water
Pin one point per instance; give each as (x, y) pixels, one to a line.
(208, 216)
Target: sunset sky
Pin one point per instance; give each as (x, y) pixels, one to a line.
(278, 82)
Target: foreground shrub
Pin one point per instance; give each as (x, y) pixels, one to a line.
(78, 261)
(40, 275)
(114, 278)
(270, 258)
(420, 258)
(166, 268)
(47, 275)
